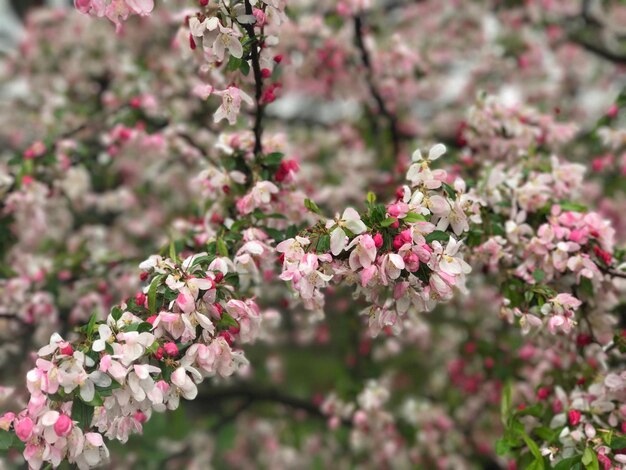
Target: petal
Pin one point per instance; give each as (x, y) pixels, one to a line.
(436, 151)
(356, 226)
(87, 391)
(337, 241)
(49, 418)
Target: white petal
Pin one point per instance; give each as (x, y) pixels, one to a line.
(356, 226)
(49, 418)
(436, 151)
(87, 391)
(337, 241)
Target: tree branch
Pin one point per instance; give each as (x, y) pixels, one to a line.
(369, 77)
(258, 82)
(612, 272)
(600, 51)
(265, 395)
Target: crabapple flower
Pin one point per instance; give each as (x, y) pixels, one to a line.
(231, 104)
(364, 252)
(351, 220)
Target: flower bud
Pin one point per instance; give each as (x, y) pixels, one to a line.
(574, 417)
(171, 349)
(24, 428)
(378, 240)
(63, 426)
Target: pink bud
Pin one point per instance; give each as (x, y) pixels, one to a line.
(159, 354)
(63, 426)
(140, 298)
(135, 102)
(360, 418)
(24, 429)
(378, 240)
(171, 349)
(574, 417)
(334, 422)
(227, 336)
(612, 111)
(543, 393)
(397, 242)
(261, 17)
(66, 348)
(140, 417)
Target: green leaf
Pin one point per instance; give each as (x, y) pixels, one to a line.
(106, 391)
(618, 442)
(95, 401)
(371, 197)
(450, 190)
(82, 413)
(567, 464)
(533, 448)
(502, 447)
(116, 313)
(573, 206)
(310, 205)
(6, 439)
(233, 64)
(244, 67)
(173, 256)
(505, 405)
(388, 222)
(590, 459)
(274, 159)
(222, 249)
(90, 328)
(412, 217)
(207, 259)
(227, 321)
(547, 434)
(534, 410)
(539, 275)
(152, 291)
(437, 235)
(536, 465)
(323, 244)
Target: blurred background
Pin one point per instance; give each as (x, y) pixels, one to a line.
(128, 175)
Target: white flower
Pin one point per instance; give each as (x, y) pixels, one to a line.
(350, 220)
(106, 335)
(434, 153)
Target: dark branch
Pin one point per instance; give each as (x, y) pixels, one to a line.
(269, 395)
(369, 77)
(600, 51)
(258, 82)
(612, 272)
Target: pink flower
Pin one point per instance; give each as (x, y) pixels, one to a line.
(141, 7)
(24, 428)
(63, 425)
(231, 103)
(364, 252)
